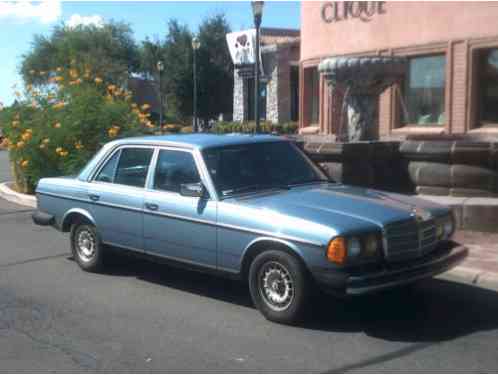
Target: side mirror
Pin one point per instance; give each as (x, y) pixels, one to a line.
(196, 190)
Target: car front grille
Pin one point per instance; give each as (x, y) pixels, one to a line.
(409, 239)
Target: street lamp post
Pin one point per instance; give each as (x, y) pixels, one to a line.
(257, 11)
(160, 68)
(195, 46)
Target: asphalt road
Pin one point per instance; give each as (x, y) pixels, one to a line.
(138, 316)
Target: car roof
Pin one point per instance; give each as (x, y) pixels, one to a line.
(201, 140)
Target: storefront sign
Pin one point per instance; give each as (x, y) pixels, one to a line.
(333, 11)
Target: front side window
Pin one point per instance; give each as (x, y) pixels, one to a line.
(257, 166)
(173, 169)
(133, 166)
(424, 91)
(488, 86)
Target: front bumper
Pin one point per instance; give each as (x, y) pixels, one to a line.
(42, 218)
(447, 256)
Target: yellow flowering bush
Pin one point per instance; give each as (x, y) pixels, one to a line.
(55, 129)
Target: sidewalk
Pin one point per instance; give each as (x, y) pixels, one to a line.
(481, 267)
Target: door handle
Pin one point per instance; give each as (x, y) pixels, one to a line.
(94, 197)
(151, 206)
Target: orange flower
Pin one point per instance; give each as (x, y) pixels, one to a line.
(57, 125)
(78, 145)
(73, 73)
(58, 150)
(59, 105)
(46, 141)
(26, 137)
(24, 164)
(20, 144)
(58, 78)
(145, 107)
(59, 69)
(98, 80)
(15, 123)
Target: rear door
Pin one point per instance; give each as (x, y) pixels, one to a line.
(178, 227)
(117, 196)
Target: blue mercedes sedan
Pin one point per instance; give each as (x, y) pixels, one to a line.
(252, 207)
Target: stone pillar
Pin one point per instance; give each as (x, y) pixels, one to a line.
(238, 97)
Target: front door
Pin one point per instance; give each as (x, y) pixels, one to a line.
(117, 194)
(175, 226)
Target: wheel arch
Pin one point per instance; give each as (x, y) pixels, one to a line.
(261, 244)
(74, 215)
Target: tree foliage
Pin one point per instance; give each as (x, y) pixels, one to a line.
(215, 68)
(109, 50)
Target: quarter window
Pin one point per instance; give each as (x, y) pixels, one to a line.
(133, 166)
(173, 169)
(424, 91)
(106, 174)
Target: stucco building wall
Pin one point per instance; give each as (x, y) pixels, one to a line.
(455, 30)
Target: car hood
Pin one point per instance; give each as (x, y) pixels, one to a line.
(341, 207)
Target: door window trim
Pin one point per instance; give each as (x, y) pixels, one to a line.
(109, 156)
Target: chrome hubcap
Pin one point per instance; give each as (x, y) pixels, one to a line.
(86, 245)
(276, 286)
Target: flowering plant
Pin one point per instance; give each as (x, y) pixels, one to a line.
(55, 129)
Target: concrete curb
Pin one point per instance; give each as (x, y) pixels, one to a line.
(472, 276)
(13, 196)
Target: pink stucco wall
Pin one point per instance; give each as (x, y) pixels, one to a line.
(402, 24)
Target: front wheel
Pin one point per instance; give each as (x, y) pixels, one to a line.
(279, 286)
(86, 247)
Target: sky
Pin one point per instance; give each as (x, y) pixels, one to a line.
(21, 20)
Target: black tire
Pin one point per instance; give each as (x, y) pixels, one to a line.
(89, 255)
(278, 266)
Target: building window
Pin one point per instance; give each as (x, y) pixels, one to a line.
(315, 95)
(424, 89)
(488, 86)
(294, 87)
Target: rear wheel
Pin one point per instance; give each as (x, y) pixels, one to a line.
(86, 247)
(279, 286)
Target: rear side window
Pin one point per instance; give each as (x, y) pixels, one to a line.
(128, 166)
(173, 169)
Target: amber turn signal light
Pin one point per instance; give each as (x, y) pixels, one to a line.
(336, 251)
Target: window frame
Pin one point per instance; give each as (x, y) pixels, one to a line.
(156, 161)
(402, 88)
(110, 155)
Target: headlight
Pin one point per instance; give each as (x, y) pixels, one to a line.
(354, 247)
(371, 245)
(440, 231)
(341, 249)
(449, 227)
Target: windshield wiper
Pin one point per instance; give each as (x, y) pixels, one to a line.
(314, 181)
(243, 189)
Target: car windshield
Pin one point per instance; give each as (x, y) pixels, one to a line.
(257, 166)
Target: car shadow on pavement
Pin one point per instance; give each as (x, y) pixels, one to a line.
(430, 311)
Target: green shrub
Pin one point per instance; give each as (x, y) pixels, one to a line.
(56, 131)
(248, 127)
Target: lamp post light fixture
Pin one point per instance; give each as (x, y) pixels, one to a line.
(195, 46)
(160, 68)
(257, 11)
